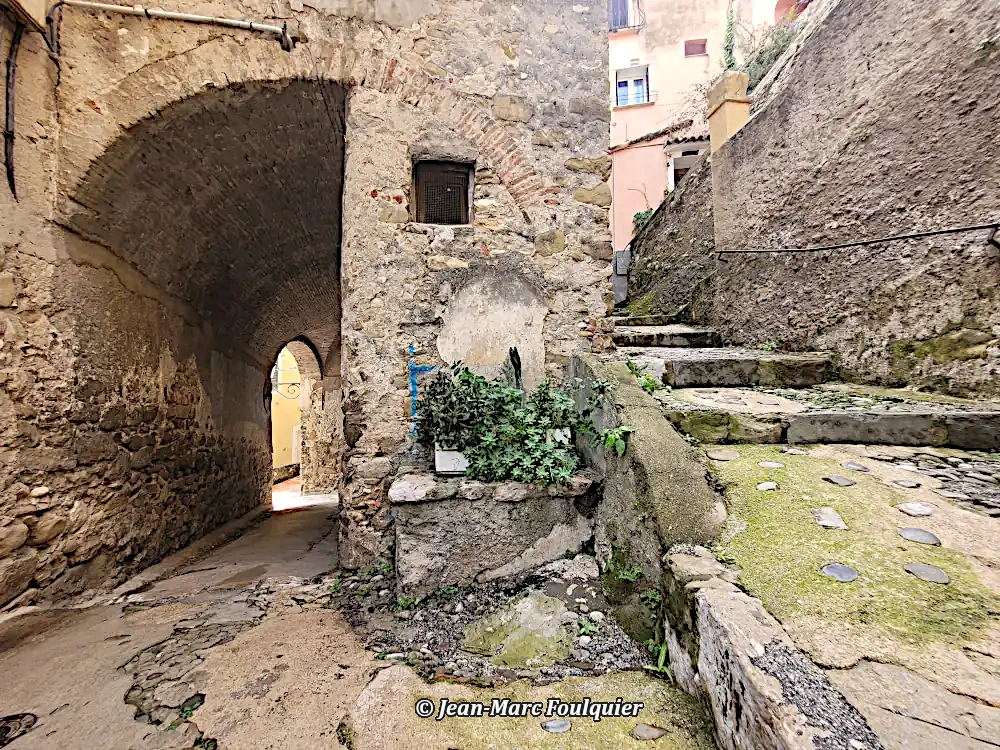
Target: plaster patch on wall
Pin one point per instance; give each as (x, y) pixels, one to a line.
(489, 315)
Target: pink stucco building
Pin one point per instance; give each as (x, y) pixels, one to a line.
(662, 55)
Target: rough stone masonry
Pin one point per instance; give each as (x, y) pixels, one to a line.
(192, 198)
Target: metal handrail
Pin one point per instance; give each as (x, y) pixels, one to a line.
(994, 239)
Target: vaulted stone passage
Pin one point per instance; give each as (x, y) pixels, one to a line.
(231, 202)
(203, 240)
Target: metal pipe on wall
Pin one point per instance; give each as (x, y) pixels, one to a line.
(8, 131)
(137, 10)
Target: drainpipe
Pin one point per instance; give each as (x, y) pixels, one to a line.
(8, 130)
(137, 10)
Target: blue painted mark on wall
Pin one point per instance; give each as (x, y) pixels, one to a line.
(415, 370)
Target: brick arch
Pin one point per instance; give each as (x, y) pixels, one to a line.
(307, 358)
(228, 62)
(215, 205)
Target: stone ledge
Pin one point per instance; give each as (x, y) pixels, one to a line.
(425, 488)
(763, 693)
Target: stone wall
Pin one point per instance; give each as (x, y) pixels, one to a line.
(192, 198)
(458, 531)
(672, 258)
(883, 122)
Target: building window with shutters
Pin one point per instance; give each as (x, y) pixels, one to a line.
(442, 192)
(633, 86)
(621, 15)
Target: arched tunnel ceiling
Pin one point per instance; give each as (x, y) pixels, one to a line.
(231, 201)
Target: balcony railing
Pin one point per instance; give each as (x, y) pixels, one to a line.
(625, 14)
(635, 97)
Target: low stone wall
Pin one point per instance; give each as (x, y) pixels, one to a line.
(456, 531)
(672, 259)
(281, 473)
(763, 693)
(656, 495)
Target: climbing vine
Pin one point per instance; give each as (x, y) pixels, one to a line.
(729, 41)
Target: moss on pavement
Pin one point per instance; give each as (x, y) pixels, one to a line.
(773, 538)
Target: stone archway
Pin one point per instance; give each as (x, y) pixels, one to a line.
(321, 466)
(203, 239)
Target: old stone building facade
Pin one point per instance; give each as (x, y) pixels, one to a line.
(191, 198)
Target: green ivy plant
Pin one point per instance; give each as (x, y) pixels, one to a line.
(506, 434)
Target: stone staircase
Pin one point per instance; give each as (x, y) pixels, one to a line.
(738, 395)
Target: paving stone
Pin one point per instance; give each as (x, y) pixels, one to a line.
(851, 466)
(173, 694)
(920, 536)
(771, 465)
(843, 573)
(926, 572)
(839, 480)
(952, 495)
(828, 518)
(915, 509)
(556, 726)
(981, 477)
(908, 484)
(766, 486)
(645, 732)
(723, 455)
(795, 452)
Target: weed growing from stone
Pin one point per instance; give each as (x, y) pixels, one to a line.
(616, 439)
(660, 669)
(631, 575)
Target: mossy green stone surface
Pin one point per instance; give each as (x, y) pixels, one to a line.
(528, 633)
(773, 538)
(687, 724)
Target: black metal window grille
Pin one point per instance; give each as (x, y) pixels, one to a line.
(441, 191)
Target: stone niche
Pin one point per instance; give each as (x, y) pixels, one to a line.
(456, 531)
(494, 311)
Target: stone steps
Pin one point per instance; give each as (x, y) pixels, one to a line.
(839, 413)
(674, 335)
(722, 366)
(644, 320)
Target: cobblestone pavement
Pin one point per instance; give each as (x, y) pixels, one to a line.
(259, 644)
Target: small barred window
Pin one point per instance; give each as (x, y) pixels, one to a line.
(442, 192)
